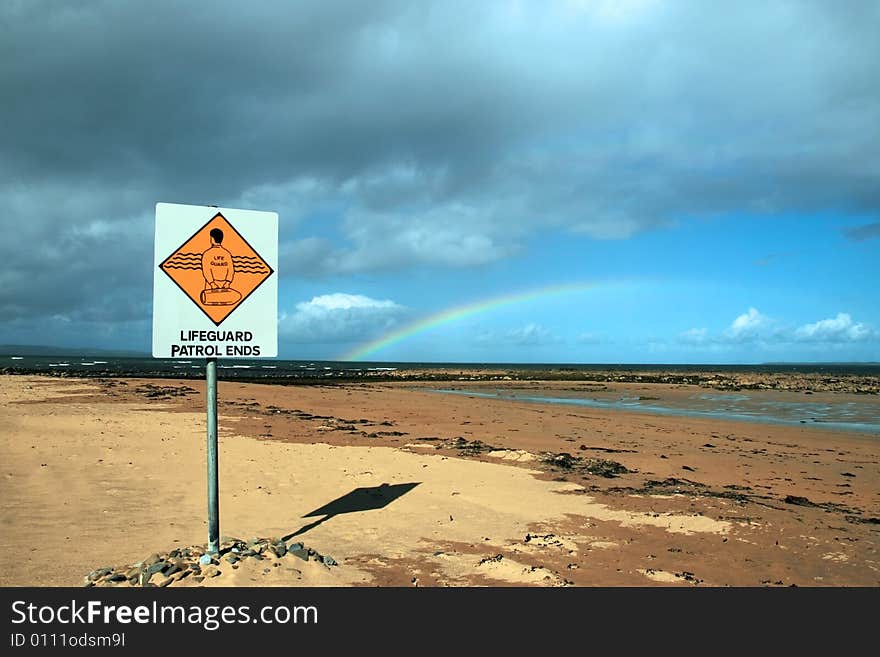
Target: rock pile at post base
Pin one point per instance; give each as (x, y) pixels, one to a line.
(164, 569)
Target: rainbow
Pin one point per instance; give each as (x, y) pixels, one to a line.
(363, 351)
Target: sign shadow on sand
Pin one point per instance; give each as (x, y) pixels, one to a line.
(360, 499)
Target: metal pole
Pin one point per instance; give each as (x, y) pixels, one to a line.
(213, 496)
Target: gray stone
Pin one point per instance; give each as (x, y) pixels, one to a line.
(155, 568)
(302, 553)
(170, 569)
(205, 559)
(295, 546)
(153, 558)
(280, 549)
(330, 561)
(98, 573)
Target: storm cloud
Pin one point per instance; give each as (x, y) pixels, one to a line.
(395, 134)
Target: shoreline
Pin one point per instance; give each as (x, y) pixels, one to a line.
(508, 493)
(755, 378)
(538, 395)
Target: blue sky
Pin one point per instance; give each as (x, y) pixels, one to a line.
(667, 295)
(711, 170)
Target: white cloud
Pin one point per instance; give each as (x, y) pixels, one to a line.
(343, 301)
(530, 335)
(748, 325)
(837, 329)
(695, 336)
(452, 235)
(339, 317)
(747, 321)
(755, 327)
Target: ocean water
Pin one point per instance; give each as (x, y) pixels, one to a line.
(860, 416)
(277, 368)
(189, 368)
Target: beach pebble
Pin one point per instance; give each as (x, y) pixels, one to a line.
(302, 553)
(98, 573)
(155, 567)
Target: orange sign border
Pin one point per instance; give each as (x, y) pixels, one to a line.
(240, 303)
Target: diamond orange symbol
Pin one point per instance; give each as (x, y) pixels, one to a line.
(217, 268)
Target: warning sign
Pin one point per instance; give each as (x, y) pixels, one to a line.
(217, 268)
(215, 287)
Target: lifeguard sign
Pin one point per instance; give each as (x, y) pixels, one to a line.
(215, 295)
(215, 285)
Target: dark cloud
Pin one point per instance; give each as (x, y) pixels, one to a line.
(439, 133)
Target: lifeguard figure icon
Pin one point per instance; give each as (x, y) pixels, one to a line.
(218, 270)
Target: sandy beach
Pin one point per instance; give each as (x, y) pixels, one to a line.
(429, 489)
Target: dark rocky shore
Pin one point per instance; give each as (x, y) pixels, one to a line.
(723, 381)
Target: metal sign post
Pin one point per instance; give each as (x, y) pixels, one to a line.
(213, 493)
